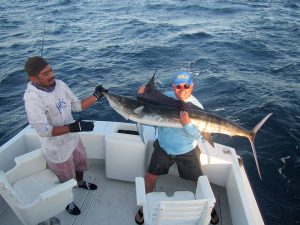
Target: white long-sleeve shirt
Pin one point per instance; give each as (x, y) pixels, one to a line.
(46, 110)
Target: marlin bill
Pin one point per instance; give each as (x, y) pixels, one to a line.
(146, 110)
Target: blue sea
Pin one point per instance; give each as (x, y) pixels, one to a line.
(244, 56)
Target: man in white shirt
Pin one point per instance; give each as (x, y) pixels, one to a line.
(49, 104)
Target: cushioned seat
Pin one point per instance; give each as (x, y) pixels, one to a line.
(32, 186)
(34, 192)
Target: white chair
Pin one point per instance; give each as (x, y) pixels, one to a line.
(182, 208)
(34, 192)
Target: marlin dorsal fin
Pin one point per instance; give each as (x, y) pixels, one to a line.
(154, 96)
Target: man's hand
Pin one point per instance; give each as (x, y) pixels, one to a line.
(184, 118)
(99, 92)
(80, 125)
(141, 89)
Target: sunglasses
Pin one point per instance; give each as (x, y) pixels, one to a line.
(182, 87)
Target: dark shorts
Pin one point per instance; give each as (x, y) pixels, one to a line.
(188, 164)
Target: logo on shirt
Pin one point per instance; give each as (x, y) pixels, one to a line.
(60, 105)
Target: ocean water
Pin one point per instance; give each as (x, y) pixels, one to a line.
(244, 56)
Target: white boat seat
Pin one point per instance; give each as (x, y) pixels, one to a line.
(41, 181)
(182, 208)
(34, 192)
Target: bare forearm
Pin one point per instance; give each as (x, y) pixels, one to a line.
(77, 126)
(89, 101)
(60, 130)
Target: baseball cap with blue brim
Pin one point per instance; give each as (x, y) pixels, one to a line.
(183, 77)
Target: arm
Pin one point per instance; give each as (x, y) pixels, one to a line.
(60, 130)
(77, 126)
(78, 105)
(89, 101)
(141, 89)
(188, 126)
(97, 95)
(38, 116)
(38, 120)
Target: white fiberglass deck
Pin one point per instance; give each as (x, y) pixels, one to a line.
(114, 202)
(116, 159)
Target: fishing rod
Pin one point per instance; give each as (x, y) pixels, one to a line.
(42, 49)
(44, 30)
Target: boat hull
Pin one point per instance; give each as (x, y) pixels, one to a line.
(108, 146)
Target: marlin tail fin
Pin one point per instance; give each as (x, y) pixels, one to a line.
(252, 138)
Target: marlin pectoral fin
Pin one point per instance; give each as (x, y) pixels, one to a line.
(207, 137)
(140, 129)
(138, 110)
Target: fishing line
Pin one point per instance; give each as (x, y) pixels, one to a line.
(44, 30)
(94, 84)
(180, 65)
(185, 66)
(87, 80)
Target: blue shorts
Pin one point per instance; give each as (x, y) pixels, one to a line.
(188, 164)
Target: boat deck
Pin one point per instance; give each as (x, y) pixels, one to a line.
(114, 202)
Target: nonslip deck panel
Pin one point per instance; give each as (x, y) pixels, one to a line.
(114, 202)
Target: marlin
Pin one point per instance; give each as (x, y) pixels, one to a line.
(156, 109)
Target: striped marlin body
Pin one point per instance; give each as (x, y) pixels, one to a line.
(164, 116)
(156, 109)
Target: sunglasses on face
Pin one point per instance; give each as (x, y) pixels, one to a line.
(182, 87)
